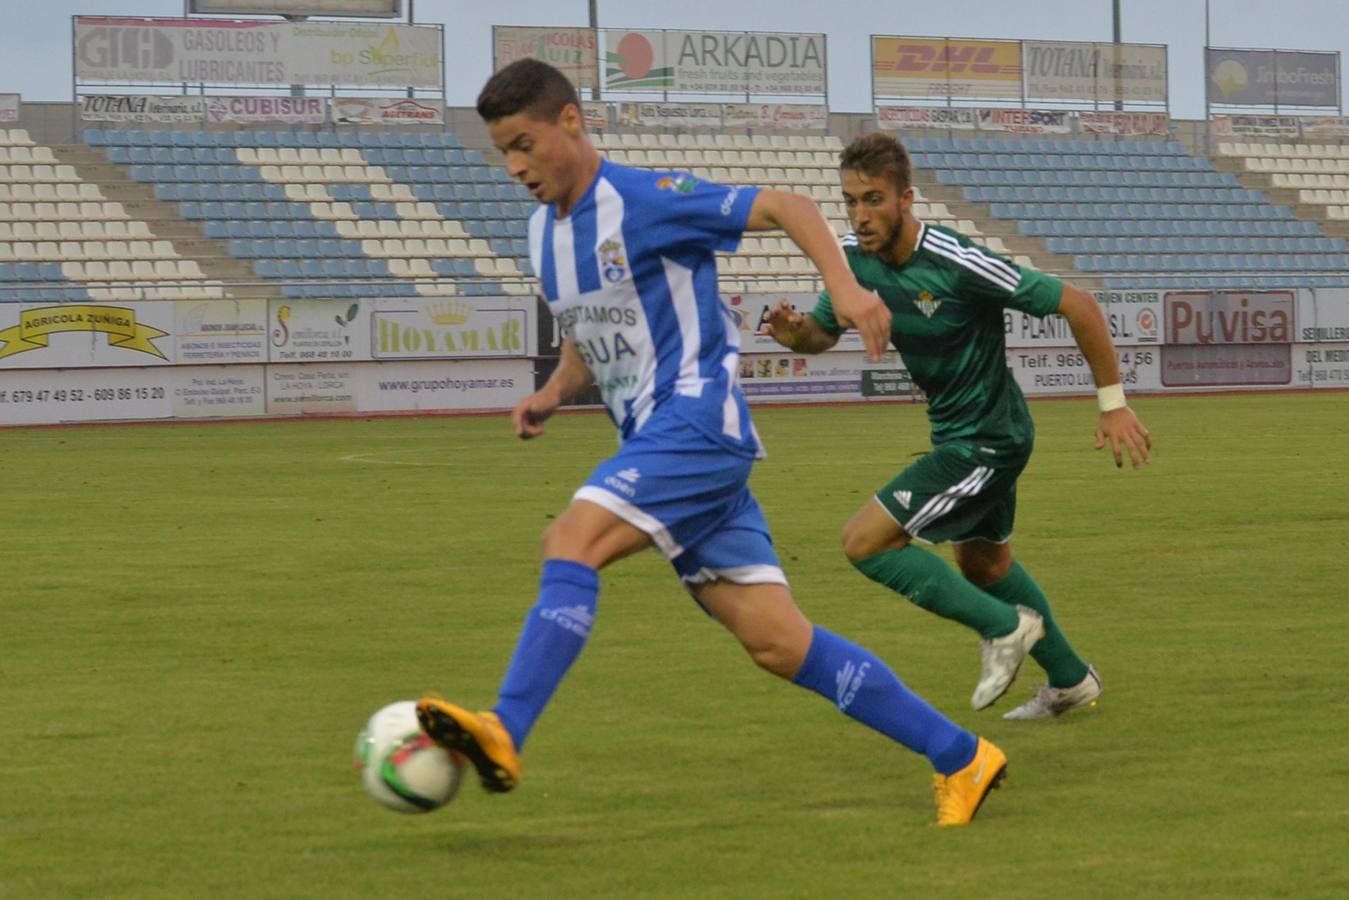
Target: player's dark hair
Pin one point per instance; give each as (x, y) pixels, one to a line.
(527, 86)
(878, 154)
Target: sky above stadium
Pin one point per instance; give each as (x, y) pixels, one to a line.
(36, 44)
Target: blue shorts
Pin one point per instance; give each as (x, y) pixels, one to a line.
(690, 494)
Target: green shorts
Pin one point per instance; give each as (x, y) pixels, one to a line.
(948, 496)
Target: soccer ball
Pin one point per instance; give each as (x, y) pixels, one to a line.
(401, 767)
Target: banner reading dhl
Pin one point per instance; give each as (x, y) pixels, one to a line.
(945, 67)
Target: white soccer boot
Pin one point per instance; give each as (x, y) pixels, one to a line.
(1002, 657)
(1051, 701)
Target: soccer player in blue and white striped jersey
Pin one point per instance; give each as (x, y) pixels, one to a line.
(627, 262)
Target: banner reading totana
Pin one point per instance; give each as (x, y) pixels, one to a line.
(140, 108)
(242, 51)
(1062, 70)
(714, 62)
(570, 50)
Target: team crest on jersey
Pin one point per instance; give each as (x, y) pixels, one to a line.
(678, 182)
(926, 304)
(613, 261)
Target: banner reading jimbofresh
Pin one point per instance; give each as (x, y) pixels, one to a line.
(715, 62)
(239, 51)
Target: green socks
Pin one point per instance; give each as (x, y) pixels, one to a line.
(927, 581)
(1054, 654)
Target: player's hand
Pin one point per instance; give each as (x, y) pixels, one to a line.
(530, 414)
(854, 305)
(784, 325)
(1121, 429)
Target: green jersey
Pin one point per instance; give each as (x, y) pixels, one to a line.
(947, 305)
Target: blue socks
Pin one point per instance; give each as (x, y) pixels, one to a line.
(862, 686)
(555, 630)
(857, 681)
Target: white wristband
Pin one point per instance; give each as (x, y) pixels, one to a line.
(1110, 397)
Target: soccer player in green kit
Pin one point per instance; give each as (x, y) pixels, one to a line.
(947, 296)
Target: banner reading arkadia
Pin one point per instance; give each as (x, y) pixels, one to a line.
(715, 62)
(570, 50)
(239, 51)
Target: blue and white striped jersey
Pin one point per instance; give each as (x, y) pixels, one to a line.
(631, 276)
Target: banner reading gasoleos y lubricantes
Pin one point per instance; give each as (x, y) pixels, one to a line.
(239, 51)
(715, 62)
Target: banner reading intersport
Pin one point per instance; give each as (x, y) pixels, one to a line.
(1063, 70)
(243, 51)
(573, 51)
(715, 62)
(1272, 77)
(945, 67)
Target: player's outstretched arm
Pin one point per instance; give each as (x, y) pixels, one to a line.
(808, 228)
(571, 377)
(797, 332)
(1117, 425)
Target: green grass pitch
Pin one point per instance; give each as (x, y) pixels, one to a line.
(198, 619)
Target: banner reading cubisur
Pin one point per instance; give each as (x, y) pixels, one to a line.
(715, 62)
(240, 51)
(571, 50)
(945, 67)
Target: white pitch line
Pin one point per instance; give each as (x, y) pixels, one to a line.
(372, 457)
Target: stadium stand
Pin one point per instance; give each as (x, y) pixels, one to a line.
(149, 213)
(367, 213)
(62, 236)
(1137, 213)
